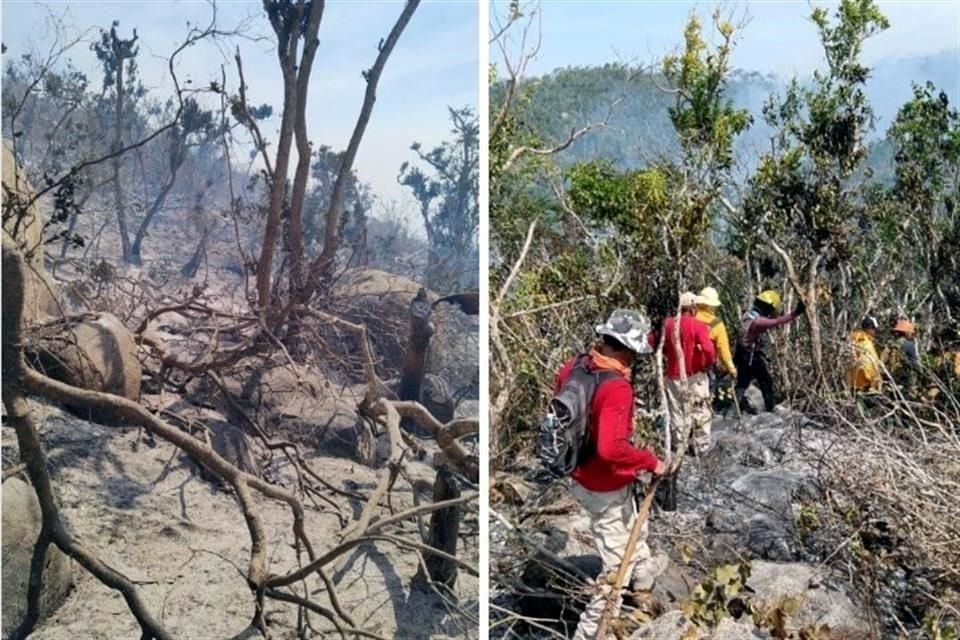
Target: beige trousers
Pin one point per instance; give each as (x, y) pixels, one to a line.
(692, 420)
(611, 517)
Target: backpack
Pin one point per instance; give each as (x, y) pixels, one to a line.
(760, 343)
(564, 433)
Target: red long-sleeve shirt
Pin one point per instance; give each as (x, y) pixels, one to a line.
(699, 353)
(615, 461)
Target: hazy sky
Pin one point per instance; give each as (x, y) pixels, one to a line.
(434, 64)
(779, 37)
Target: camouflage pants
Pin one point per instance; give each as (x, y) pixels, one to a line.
(690, 410)
(611, 518)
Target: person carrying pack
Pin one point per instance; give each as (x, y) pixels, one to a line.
(724, 372)
(588, 429)
(688, 395)
(751, 354)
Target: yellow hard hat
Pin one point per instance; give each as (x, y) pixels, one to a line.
(709, 297)
(771, 297)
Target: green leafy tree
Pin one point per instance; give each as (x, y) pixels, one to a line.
(569, 244)
(926, 136)
(662, 212)
(802, 203)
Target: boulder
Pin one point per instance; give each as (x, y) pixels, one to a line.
(780, 442)
(769, 538)
(21, 528)
(98, 354)
(455, 351)
(307, 407)
(743, 629)
(756, 515)
(819, 603)
(670, 626)
(753, 400)
(230, 442)
(21, 222)
(39, 294)
(673, 584)
(772, 492)
(674, 626)
(467, 409)
(434, 396)
(732, 451)
(233, 445)
(24, 231)
(381, 301)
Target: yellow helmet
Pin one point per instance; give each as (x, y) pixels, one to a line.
(772, 298)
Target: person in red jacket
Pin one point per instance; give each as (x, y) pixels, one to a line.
(603, 482)
(688, 402)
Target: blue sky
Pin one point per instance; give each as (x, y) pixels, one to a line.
(434, 64)
(779, 37)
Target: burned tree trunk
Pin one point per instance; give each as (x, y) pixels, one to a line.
(444, 531)
(415, 361)
(190, 269)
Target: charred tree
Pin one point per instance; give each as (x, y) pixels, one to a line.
(443, 534)
(415, 361)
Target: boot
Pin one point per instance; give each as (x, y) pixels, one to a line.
(745, 407)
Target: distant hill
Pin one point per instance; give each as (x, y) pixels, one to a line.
(640, 128)
(891, 81)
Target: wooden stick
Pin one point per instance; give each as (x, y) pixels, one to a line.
(627, 555)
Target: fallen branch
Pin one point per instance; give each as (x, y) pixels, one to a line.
(445, 437)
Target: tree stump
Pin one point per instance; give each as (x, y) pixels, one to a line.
(443, 534)
(415, 361)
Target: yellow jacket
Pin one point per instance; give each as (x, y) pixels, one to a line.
(718, 335)
(864, 373)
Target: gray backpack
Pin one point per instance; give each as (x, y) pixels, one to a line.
(564, 433)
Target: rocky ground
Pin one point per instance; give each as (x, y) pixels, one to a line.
(148, 512)
(746, 501)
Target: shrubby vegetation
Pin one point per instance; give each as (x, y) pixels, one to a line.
(684, 180)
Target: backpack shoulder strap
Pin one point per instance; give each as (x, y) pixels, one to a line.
(713, 324)
(580, 361)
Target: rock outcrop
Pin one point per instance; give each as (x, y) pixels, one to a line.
(739, 502)
(23, 227)
(21, 529)
(97, 353)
